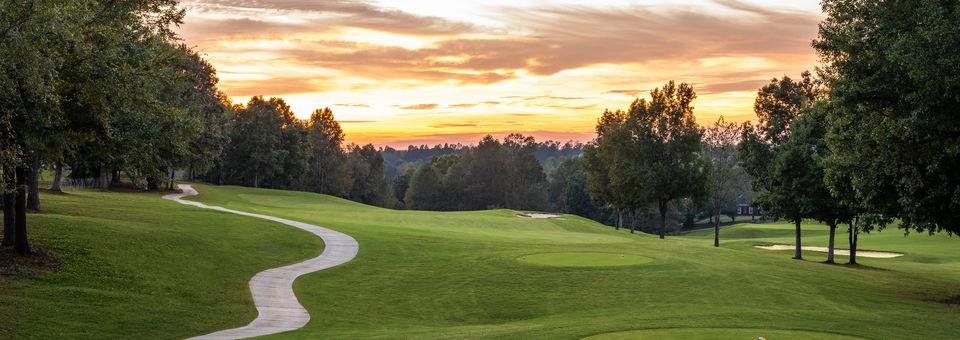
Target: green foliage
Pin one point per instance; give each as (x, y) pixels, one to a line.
(891, 67)
(328, 166)
(370, 185)
(781, 177)
(493, 174)
(568, 191)
(649, 155)
(426, 189)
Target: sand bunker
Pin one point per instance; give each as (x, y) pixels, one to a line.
(837, 251)
(539, 215)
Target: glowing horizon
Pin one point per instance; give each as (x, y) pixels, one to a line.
(415, 72)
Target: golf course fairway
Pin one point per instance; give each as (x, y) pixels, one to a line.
(136, 265)
(584, 259)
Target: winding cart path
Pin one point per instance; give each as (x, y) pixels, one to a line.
(277, 307)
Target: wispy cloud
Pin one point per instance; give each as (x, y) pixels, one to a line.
(419, 107)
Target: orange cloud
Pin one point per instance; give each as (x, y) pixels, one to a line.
(541, 61)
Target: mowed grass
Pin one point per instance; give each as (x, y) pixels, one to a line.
(135, 266)
(457, 275)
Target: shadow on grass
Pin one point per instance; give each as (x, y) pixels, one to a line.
(17, 266)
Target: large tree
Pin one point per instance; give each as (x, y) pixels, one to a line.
(891, 68)
(328, 165)
(777, 106)
(256, 153)
(651, 154)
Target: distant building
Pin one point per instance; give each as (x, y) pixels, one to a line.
(745, 209)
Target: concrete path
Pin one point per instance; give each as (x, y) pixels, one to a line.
(277, 307)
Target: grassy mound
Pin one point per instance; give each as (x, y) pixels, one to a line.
(136, 266)
(584, 259)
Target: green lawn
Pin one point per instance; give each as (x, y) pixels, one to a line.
(463, 275)
(456, 274)
(137, 266)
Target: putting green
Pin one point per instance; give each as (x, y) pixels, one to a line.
(584, 259)
(719, 333)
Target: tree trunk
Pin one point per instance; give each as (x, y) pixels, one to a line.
(33, 182)
(20, 244)
(256, 180)
(619, 219)
(9, 218)
(797, 255)
(853, 242)
(716, 232)
(57, 177)
(633, 223)
(663, 219)
(830, 247)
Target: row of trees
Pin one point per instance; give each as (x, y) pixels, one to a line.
(875, 139)
(101, 86)
(493, 174)
(270, 148)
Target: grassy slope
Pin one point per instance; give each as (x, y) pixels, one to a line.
(424, 274)
(136, 266)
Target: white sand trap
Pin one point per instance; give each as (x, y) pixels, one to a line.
(836, 251)
(539, 215)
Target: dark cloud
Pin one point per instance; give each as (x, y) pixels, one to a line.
(344, 13)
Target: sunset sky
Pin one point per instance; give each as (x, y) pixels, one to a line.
(403, 72)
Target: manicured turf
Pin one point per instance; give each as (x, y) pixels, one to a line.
(584, 259)
(718, 333)
(456, 274)
(137, 266)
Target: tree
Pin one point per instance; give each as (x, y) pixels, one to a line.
(650, 154)
(807, 143)
(425, 191)
(568, 190)
(599, 158)
(370, 186)
(720, 149)
(891, 71)
(668, 147)
(255, 152)
(778, 104)
(327, 159)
